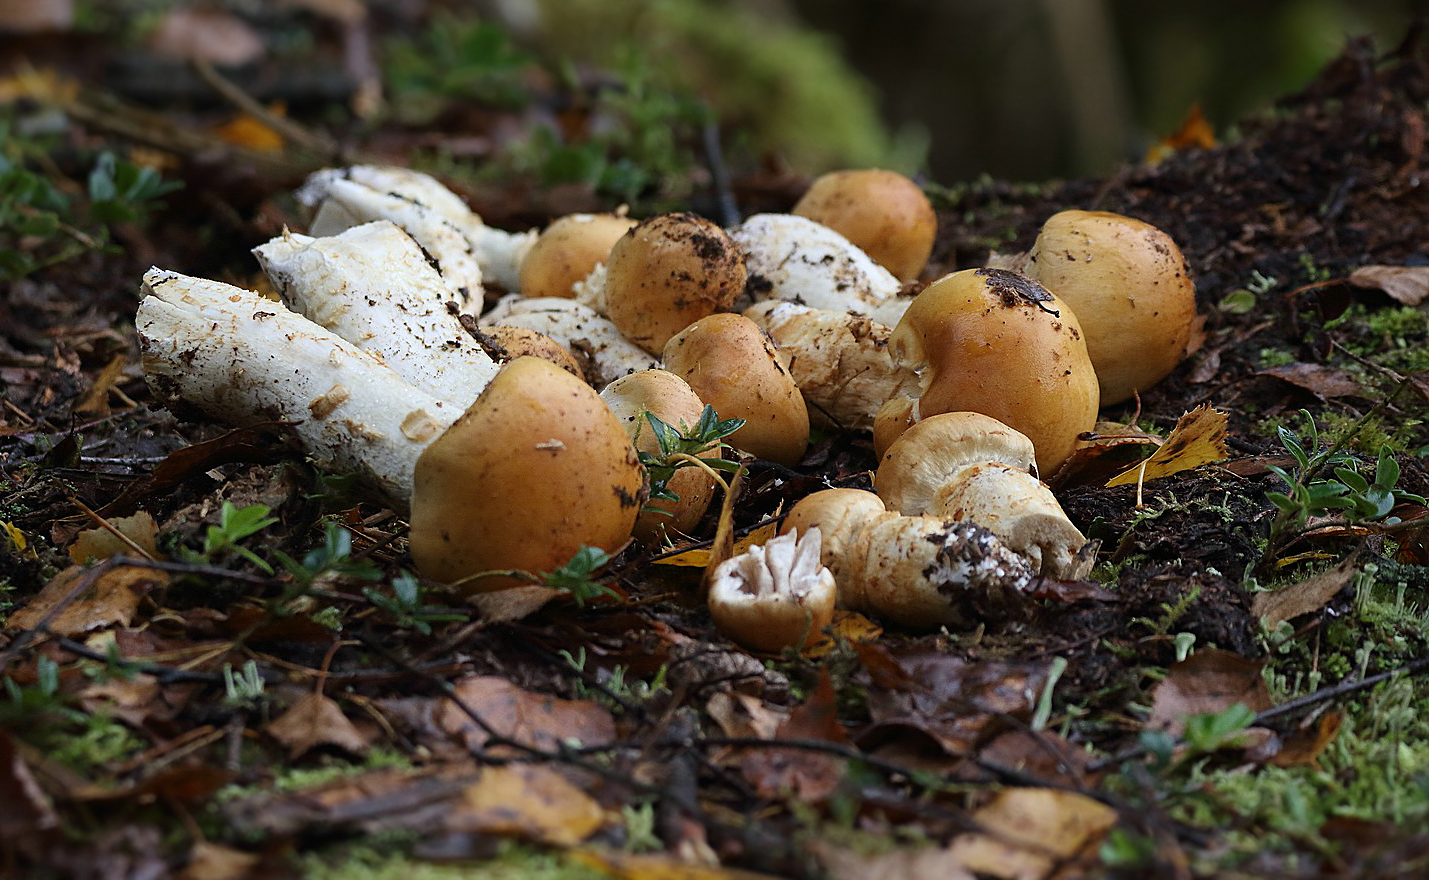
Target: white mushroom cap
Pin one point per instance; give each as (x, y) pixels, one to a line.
(774, 595)
(794, 258)
(931, 452)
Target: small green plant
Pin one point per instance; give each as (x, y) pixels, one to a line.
(407, 607)
(235, 524)
(1306, 495)
(458, 60)
(332, 557)
(30, 701)
(1212, 731)
(692, 449)
(577, 577)
(243, 688)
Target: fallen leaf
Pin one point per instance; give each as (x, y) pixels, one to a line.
(744, 715)
(1194, 131)
(26, 814)
(1025, 832)
(96, 400)
(100, 543)
(920, 863)
(251, 132)
(1408, 285)
(1040, 753)
(316, 720)
(532, 719)
(1198, 438)
(657, 866)
(1321, 381)
(111, 600)
(212, 861)
(848, 626)
(1106, 450)
(1303, 748)
(513, 603)
(808, 775)
(193, 33)
(1306, 597)
(1209, 681)
(699, 557)
(531, 801)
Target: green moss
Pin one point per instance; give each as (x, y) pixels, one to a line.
(1275, 357)
(513, 862)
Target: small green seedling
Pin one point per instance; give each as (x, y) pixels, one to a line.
(407, 607)
(235, 524)
(698, 447)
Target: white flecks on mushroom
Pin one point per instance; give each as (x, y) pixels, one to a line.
(241, 358)
(579, 328)
(372, 286)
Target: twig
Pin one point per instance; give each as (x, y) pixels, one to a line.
(245, 102)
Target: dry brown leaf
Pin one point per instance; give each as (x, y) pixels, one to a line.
(1303, 748)
(194, 33)
(808, 775)
(526, 800)
(211, 861)
(1408, 285)
(1198, 438)
(1208, 681)
(1194, 131)
(657, 866)
(111, 600)
(1026, 832)
(922, 863)
(96, 400)
(1321, 381)
(848, 626)
(314, 721)
(744, 715)
(1106, 450)
(1306, 597)
(514, 603)
(100, 543)
(535, 720)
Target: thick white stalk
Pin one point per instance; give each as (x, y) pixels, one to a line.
(241, 358)
(793, 258)
(372, 286)
(579, 328)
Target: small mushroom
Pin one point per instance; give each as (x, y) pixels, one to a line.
(668, 272)
(734, 367)
(998, 343)
(671, 400)
(883, 213)
(774, 596)
(536, 469)
(1130, 287)
(920, 571)
(568, 250)
(588, 335)
(505, 342)
(968, 467)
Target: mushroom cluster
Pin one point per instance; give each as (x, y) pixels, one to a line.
(381, 357)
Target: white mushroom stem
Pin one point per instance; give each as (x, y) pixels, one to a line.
(916, 570)
(240, 358)
(794, 258)
(840, 361)
(774, 595)
(372, 286)
(579, 328)
(334, 193)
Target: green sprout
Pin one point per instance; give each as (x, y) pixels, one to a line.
(690, 449)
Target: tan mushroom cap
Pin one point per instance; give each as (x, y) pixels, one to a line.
(734, 367)
(1131, 289)
(774, 596)
(513, 342)
(882, 212)
(998, 343)
(929, 453)
(535, 469)
(568, 250)
(668, 272)
(674, 402)
(838, 514)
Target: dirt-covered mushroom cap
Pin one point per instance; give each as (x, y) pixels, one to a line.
(882, 212)
(734, 367)
(668, 272)
(568, 250)
(535, 469)
(922, 460)
(671, 400)
(506, 342)
(998, 343)
(1130, 287)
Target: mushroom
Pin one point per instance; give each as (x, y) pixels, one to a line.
(671, 400)
(839, 360)
(668, 272)
(1130, 287)
(431, 213)
(373, 286)
(537, 468)
(567, 251)
(794, 258)
(970, 467)
(919, 571)
(505, 342)
(733, 366)
(996, 342)
(882, 213)
(240, 358)
(585, 332)
(774, 596)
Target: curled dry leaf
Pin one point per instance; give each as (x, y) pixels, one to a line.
(1306, 597)
(1408, 285)
(1198, 438)
(1208, 681)
(314, 721)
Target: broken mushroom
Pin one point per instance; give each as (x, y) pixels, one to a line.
(774, 596)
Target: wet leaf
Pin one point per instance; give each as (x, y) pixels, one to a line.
(1026, 832)
(1306, 597)
(699, 557)
(1208, 682)
(532, 719)
(1198, 438)
(1408, 285)
(531, 801)
(1321, 381)
(807, 775)
(314, 721)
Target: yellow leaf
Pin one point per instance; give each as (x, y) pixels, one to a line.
(699, 557)
(849, 626)
(527, 800)
(1198, 438)
(251, 132)
(15, 536)
(1024, 832)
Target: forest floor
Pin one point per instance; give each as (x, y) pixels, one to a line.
(1239, 693)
